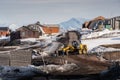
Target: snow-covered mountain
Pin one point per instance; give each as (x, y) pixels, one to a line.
(73, 23)
(13, 27)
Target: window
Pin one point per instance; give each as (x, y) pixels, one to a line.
(23, 34)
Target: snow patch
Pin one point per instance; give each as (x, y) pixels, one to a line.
(99, 49)
(29, 39)
(5, 38)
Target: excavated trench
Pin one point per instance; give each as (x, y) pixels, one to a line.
(86, 64)
(112, 56)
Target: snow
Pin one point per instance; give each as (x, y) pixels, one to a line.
(13, 27)
(53, 68)
(41, 54)
(16, 73)
(48, 38)
(96, 42)
(97, 34)
(103, 49)
(100, 33)
(29, 39)
(5, 38)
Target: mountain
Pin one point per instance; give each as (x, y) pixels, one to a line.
(13, 27)
(72, 24)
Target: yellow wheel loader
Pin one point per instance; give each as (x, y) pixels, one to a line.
(72, 44)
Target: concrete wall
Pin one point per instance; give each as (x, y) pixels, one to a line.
(20, 58)
(4, 59)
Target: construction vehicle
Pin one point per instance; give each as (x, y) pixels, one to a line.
(72, 44)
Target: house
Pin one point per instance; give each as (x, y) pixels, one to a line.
(4, 31)
(27, 32)
(98, 23)
(45, 29)
(34, 31)
(50, 29)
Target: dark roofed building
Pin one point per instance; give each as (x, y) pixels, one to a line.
(26, 32)
(4, 28)
(4, 31)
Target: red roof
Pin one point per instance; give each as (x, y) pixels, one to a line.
(50, 30)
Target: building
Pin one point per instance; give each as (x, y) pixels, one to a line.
(50, 29)
(26, 32)
(98, 23)
(4, 31)
(34, 31)
(101, 22)
(115, 23)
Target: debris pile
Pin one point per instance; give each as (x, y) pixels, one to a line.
(57, 68)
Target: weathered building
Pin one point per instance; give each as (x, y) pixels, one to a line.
(98, 23)
(34, 31)
(4, 31)
(115, 22)
(101, 22)
(26, 32)
(50, 29)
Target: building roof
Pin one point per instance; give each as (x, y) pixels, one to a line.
(99, 18)
(50, 25)
(50, 30)
(26, 28)
(86, 23)
(4, 28)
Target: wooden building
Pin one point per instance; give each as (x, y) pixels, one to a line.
(26, 32)
(4, 31)
(34, 31)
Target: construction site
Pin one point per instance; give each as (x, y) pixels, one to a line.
(69, 55)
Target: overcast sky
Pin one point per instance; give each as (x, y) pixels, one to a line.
(22, 12)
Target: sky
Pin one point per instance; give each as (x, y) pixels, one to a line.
(22, 12)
